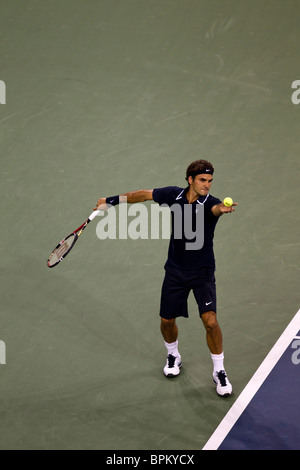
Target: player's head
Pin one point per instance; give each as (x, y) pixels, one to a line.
(199, 167)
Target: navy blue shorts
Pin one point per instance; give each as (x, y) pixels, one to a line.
(177, 285)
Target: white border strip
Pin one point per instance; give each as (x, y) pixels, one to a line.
(254, 384)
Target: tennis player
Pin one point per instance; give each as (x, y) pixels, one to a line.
(188, 269)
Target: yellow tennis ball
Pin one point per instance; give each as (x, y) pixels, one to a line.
(228, 202)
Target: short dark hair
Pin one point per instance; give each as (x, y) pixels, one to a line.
(198, 167)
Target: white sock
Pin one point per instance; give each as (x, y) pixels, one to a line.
(172, 348)
(218, 361)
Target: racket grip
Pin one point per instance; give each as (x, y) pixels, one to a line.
(93, 215)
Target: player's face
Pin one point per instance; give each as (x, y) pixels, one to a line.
(201, 184)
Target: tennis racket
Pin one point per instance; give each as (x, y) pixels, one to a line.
(65, 246)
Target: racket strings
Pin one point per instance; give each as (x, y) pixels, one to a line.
(61, 250)
(65, 246)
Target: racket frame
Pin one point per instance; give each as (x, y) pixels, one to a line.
(76, 235)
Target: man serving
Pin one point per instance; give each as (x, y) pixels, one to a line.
(186, 268)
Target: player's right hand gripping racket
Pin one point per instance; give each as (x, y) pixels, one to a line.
(67, 243)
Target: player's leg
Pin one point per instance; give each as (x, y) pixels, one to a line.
(205, 295)
(215, 345)
(169, 329)
(213, 332)
(173, 304)
(169, 332)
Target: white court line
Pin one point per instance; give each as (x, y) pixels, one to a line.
(254, 384)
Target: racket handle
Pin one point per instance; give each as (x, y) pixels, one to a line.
(93, 215)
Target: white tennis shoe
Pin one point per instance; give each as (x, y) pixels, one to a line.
(172, 367)
(223, 386)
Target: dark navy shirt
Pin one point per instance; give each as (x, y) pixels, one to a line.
(178, 256)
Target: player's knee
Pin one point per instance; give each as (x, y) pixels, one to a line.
(210, 321)
(167, 323)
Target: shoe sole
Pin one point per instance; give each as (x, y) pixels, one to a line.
(225, 394)
(171, 376)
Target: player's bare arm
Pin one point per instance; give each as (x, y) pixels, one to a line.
(130, 197)
(137, 196)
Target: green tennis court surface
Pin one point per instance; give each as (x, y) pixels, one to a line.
(103, 97)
